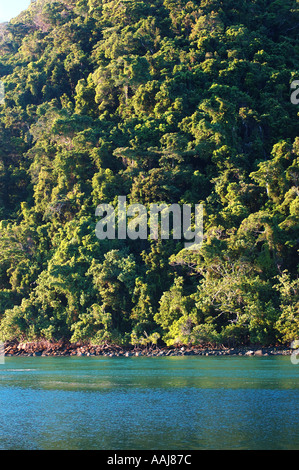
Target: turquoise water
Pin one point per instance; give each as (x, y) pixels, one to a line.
(173, 403)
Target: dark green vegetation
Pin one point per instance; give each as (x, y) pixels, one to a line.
(162, 101)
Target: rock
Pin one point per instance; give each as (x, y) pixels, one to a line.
(259, 352)
(249, 353)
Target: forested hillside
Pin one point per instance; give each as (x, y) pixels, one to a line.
(167, 101)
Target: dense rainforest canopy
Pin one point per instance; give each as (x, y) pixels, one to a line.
(161, 101)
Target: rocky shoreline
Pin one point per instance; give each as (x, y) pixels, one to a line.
(46, 348)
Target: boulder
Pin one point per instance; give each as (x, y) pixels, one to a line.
(249, 353)
(258, 352)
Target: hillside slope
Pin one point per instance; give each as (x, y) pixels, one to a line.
(183, 102)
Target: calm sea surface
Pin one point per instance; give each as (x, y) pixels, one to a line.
(174, 403)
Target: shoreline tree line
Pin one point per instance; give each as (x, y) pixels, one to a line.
(161, 101)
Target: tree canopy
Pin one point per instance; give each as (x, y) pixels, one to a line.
(160, 101)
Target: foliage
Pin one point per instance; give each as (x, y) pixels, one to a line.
(161, 101)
